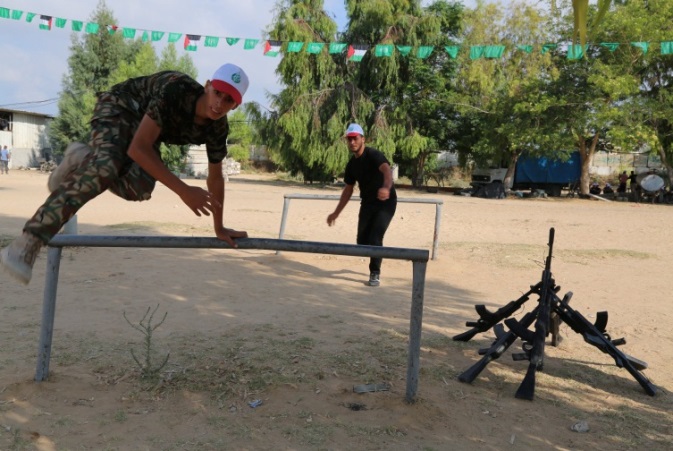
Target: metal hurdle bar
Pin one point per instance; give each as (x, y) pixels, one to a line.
(418, 257)
(438, 212)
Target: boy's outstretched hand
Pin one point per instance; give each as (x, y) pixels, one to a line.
(199, 200)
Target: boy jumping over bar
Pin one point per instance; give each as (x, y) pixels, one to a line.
(129, 123)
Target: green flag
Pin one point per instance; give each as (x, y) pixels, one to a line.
(452, 50)
(211, 41)
(548, 47)
(4, 13)
(250, 44)
(667, 47)
(525, 48)
(174, 37)
(146, 36)
(60, 23)
(424, 51)
(383, 50)
(129, 33)
(91, 27)
(494, 51)
(315, 47)
(404, 49)
(575, 52)
(16, 14)
(294, 46)
(476, 52)
(337, 47)
(232, 41)
(76, 25)
(612, 46)
(644, 46)
(30, 16)
(157, 35)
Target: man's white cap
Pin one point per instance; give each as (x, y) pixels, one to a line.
(231, 79)
(354, 130)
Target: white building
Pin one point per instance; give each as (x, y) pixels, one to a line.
(25, 134)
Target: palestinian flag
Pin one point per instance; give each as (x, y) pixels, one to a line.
(45, 22)
(356, 52)
(112, 29)
(272, 48)
(192, 42)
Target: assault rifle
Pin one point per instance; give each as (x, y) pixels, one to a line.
(537, 339)
(488, 319)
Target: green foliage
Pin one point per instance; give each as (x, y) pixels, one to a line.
(96, 63)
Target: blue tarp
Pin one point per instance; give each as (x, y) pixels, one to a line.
(545, 170)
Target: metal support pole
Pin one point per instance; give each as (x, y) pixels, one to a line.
(415, 329)
(286, 207)
(48, 313)
(435, 237)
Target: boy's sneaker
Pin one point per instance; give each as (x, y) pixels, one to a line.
(374, 279)
(74, 154)
(18, 258)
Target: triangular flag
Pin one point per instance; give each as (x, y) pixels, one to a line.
(356, 52)
(612, 46)
(383, 50)
(404, 49)
(424, 51)
(294, 46)
(211, 41)
(192, 42)
(45, 22)
(250, 44)
(548, 47)
(641, 45)
(112, 29)
(232, 41)
(272, 48)
(667, 47)
(452, 50)
(315, 47)
(336, 47)
(174, 37)
(476, 52)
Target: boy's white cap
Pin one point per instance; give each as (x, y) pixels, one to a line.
(231, 79)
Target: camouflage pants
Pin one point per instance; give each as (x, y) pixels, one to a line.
(107, 167)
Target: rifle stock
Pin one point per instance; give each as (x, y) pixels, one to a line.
(499, 346)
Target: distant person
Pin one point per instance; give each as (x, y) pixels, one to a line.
(623, 178)
(371, 170)
(5, 158)
(595, 189)
(633, 181)
(608, 189)
(130, 121)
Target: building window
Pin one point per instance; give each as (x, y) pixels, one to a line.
(5, 121)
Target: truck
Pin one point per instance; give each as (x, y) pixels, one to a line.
(534, 173)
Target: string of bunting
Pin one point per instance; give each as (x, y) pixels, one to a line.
(354, 52)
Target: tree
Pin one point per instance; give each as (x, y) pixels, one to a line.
(90, 65)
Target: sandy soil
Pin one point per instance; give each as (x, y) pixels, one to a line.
(299, 331)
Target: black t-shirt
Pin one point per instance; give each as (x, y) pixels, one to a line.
(365, 171)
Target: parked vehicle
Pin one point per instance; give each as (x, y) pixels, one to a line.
(535, 173)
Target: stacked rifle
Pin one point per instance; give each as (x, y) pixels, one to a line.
(545, 319)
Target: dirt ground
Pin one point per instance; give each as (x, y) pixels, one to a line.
(298, 331)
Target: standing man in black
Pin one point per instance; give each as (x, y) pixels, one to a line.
(371, 170)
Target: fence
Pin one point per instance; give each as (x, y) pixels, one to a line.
(418, 257)
(438, 212)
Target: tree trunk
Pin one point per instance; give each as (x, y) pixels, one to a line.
(587, 157)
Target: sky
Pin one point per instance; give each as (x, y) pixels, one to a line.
(35, 61)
